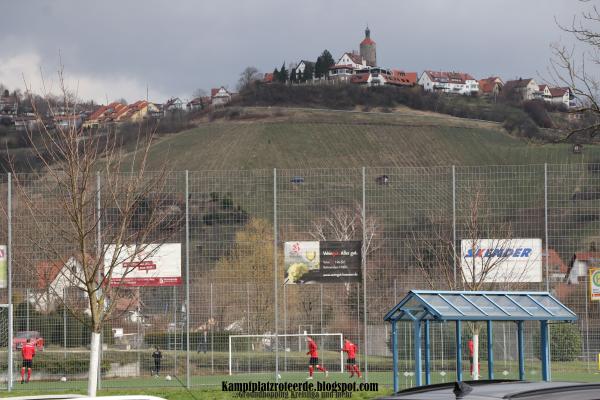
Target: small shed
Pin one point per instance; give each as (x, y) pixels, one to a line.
(422, 307)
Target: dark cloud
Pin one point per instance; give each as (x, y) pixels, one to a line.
(176, 47)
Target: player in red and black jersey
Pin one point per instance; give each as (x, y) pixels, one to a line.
(350, 349)
(313, 351)
(27, 352)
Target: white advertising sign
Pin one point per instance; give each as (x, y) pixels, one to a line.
(502, 260)
(154, 265)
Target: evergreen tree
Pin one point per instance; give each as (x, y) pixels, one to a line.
(319, 67)
(275, 75)
(324, 61)
(308, 72)
(327, 60)
(283, 74)
(293, 77)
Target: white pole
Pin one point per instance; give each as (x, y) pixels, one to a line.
(546, 223)
(364, 262)
(275, 244)
(454, 222)
(341, 354)
(9, 284)
(230, 359)
(212, 334)
(98, 254)
(187, 279)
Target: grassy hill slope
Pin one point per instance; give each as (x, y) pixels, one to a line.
(267, 138)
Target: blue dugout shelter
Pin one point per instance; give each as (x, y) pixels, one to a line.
(421, 307)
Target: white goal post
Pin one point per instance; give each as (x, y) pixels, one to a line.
(300, 336)
(6, 332)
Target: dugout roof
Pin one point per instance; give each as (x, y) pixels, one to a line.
(479, 306)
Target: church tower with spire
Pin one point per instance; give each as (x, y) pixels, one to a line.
(368, 49)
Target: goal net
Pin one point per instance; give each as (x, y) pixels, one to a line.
(256, 353)
(4, 346)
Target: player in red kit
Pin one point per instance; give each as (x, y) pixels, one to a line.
(313, 350)
(27, 352)
(350, 349)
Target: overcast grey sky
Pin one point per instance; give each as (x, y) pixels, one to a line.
(113, 49)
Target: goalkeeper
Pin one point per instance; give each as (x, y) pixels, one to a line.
(350, 349)
(313, 350)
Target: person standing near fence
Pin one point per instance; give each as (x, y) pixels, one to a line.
(471, 356)
(313, 350)
(350, 349)
(27, 352)
(157, 356)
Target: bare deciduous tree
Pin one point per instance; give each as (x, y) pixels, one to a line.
(576, 67)
(443, 266)
(248, 75)
(86, 196)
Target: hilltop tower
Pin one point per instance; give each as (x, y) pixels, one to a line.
(368, 49)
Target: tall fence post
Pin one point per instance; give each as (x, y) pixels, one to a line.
(9, 283)
(275, 244)
(187, 279)
(364, 268)
(546, 223)
(454, 221)
(98, 255)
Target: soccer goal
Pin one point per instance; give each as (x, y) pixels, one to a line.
(256, 353)
(5, 345)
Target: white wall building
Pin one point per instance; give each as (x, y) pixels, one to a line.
(302, 67)
(220, 96)
(449, 82)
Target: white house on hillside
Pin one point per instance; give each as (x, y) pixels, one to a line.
(301, 67)
(220, 96)
(449, 82)
(54, 278)
(352, 59)
(523, 89)
(561, 95)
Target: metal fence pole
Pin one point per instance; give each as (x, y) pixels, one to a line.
(27, 307)
(285, 345)
(65, 322)
(546, 223)
(187, 279)
(364, 262)
(275, 244)
(454, 221)
(212, 334)
(321, 307)
(98, 254)
(9, 284)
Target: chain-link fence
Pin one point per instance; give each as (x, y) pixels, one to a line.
(233, 313)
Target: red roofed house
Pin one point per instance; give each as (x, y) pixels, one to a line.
(521, 89)
(561, 95)
(105, 114)
(380, 76)
(449, 82)
(220, 96)
(268, 77)
(580, 264)
(491, 86)
(199, 103)
(137, 111)
(544, 91)
(53, 278)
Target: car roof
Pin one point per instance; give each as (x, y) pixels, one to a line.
(499, 389)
